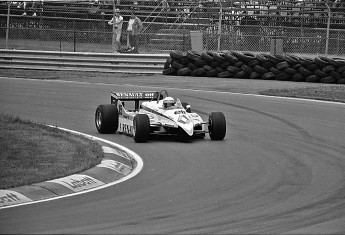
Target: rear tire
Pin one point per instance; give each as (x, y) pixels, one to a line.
(141, 128)
(217, 126)
(106, 118)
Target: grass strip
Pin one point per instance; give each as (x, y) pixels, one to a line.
(334, 93)
(32, 152)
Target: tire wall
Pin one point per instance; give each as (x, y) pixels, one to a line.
(244, 65)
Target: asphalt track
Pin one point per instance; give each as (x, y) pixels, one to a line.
(281, 168)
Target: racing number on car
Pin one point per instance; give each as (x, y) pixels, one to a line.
(183, 119)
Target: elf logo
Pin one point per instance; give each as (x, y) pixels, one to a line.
(78, 183)
(8, 197)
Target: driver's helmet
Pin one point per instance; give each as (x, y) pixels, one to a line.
(168, 102)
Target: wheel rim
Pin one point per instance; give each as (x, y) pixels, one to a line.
(98, 120)
(210, 125)
(134, 128)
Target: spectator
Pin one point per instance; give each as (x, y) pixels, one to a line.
(94, 7)
(135, 3)
(35, 5)
(134, 29)
(98, 6)
(165, 9)
(117, 28)
(165, 5)
(129, 33)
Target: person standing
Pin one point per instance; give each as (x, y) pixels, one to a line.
(117, 22)
(129, 32)
(134, 29)
(35, 5)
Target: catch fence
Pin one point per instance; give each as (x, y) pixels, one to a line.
(81, 26)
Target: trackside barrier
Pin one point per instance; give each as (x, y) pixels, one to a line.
(243, 65)
(83, 61)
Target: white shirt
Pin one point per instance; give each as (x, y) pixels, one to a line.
(130, 24)
(118, 21)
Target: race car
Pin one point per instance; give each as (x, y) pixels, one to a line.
(155, 113)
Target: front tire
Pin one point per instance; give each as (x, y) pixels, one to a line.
(106, 119)
(141, 128)
(217, 126)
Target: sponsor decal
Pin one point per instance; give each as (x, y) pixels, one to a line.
(116, 152)
(133, 95)
(78, 183)
(180, 112)
(183, 119)
(116, 166)
(8, 197)
(157, 113)
(125, 128)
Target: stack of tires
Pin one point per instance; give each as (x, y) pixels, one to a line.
(233, 64)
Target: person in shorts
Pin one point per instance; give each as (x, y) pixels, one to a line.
(117, 22)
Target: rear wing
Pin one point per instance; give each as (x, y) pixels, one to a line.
(133, 96)
(145, 95)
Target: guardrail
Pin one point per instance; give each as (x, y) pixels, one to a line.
(83, 61)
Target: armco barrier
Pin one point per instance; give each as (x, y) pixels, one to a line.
(83, 61)
(242, 65)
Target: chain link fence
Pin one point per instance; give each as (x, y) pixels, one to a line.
(286, 27)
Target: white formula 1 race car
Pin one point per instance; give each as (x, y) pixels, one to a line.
(155, 113)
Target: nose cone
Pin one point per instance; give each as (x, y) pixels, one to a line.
(183, 120)
(188, 128)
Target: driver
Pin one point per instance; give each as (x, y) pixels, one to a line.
(168, 102)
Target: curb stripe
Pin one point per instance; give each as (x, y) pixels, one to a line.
(9, 197)
(116, 152)
(80, 183)
(115, 166)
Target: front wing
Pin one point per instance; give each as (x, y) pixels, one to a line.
(158, 126)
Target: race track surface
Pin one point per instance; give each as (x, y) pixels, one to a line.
(280, 169)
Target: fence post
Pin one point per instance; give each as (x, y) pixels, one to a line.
(8, 23)
(328, 28)
(338, 42)
(302, 31)
(74, 37)
(220, 23)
